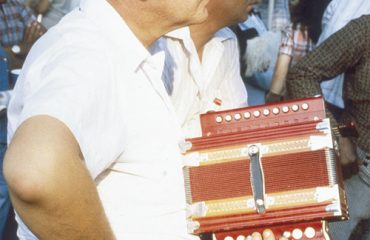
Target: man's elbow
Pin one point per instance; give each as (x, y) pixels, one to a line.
(23, 183)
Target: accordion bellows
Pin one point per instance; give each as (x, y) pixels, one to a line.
(264, 166)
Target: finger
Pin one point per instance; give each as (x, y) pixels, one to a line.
(268, 235)
(31, 33)
(27, 33)
(256, 236)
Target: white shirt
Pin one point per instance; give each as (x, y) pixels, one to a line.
(337, 15)
(92, 73)
(197, 87)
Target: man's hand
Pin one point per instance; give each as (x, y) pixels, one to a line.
(33, 31)
(347, 151)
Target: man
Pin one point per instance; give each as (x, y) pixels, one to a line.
(347, 51)
(202, 69)
(93, 150)
(336, 16)
(18, 31)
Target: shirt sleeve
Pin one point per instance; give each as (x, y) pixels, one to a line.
(337, 54)
(287, 43)
(69, 90)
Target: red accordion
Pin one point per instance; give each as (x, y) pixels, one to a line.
(269, 166)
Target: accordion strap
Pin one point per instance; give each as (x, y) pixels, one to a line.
(257, 178)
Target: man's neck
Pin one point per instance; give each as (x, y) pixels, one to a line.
(203, 33)
(143, 24)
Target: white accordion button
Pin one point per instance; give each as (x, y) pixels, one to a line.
(304, 106)
(275, 110)
(287, 234)
(228, 118)
(237, 116)
(295, 108)
(310, 232)
(247, 115)
(256, 114)
(228, 238)
(266, 112)
(218, 119)
(241, 237)
(297, 233)
(285, 109)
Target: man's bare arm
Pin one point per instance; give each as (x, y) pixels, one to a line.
(49, 184)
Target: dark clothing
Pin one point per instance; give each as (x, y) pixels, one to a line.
(14, 18)
(347, 51)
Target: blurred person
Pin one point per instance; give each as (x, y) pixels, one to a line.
(18, 31)
(298, 39)
(84, 161)
(202, 70)
(259, 39)
(336, 16)
(348, 52)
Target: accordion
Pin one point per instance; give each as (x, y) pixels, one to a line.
(268, 166)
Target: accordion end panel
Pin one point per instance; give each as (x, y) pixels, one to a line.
(299, 183)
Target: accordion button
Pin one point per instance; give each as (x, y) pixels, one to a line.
(304, 106)
(240, 237)
(228, 118)
(228, 238)
(295, 108)
(266, 112)
(237, 116)
(297, 233)
(275, 110)
(247, 115)
(219, 119)
(310, 232)
(256, 114)
(285, 109)
(287, 234)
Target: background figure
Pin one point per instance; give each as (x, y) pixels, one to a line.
(347, 51)
(280, 17)
(260, 49)
(18, 31)
(202, 70)
(4, 86)
(52, 10)
(298, 39)
(336, 16)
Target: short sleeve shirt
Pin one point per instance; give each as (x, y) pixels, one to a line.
(295, 43)
(107, 89)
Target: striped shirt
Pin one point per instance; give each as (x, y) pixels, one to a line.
(15, 16)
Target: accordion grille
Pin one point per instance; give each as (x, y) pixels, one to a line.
(281, 173)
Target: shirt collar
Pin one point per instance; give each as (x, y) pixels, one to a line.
(224, 34)
(107, 19)
(183, 34)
